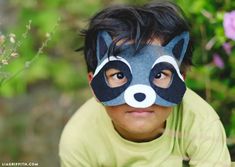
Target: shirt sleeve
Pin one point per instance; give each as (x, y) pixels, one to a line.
(208, 146)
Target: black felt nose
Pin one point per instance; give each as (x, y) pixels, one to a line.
(139, 96)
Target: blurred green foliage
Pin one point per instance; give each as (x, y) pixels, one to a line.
(214, 83)
(54, 27)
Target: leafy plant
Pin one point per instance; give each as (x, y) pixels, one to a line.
(213, 74)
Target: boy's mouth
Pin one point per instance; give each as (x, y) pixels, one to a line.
(140, 112)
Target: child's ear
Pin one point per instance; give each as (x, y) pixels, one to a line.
(178, 45)
(90, 77)
(104, 41)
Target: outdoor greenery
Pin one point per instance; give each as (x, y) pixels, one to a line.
(43, 80)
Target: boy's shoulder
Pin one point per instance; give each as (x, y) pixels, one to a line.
(80, 133)
(84, 120)
(196, 107)
(85, 117)
(89, 108)
(81, 129)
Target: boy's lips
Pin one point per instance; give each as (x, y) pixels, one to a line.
(140, 112)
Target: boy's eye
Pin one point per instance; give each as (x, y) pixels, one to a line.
(163, 79)
(160, 76)
(119, 75)
(115, 77)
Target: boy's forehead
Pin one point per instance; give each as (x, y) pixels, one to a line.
(152, 50)
(154, 41)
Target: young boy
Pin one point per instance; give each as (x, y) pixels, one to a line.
(142, 114)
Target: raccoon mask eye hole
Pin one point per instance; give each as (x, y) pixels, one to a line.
(115, 77)
(163, 79)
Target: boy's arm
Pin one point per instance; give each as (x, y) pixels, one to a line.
(208, 148)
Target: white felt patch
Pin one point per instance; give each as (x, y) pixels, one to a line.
(147, 90)
(111, 58)
(171, 60)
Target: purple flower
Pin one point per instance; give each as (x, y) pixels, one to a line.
(227, 48)
(229, 24)
(217, 60)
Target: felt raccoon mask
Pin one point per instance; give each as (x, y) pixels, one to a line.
(152, 75)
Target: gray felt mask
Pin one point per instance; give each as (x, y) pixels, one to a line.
(145, 81)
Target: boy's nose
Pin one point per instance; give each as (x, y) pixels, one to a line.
(139, 96)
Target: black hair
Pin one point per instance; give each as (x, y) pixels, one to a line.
(140, 24)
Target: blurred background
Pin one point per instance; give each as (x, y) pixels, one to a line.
(43, 80)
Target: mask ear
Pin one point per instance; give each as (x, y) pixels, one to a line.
(178, 46)
(104, 40)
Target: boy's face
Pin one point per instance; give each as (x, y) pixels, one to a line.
(138, 89)
(138, 124)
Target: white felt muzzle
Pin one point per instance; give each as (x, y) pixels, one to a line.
(140, 96)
